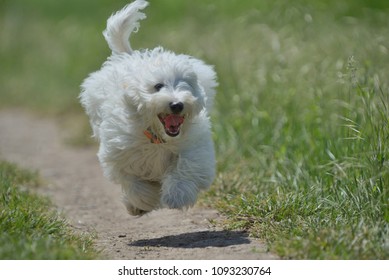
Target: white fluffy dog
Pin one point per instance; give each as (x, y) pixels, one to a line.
(150, 111)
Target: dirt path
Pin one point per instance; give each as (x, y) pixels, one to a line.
(91, 203)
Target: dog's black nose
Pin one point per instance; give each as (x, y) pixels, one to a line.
(176, 107)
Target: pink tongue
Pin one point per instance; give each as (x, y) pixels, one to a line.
(173, 121)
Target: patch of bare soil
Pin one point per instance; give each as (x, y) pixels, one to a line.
(92, 204)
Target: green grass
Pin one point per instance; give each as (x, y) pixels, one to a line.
(30, 228)
(301, 115)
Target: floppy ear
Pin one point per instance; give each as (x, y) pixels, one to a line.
(206, 77)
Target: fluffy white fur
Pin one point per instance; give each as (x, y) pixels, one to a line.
(137, 92)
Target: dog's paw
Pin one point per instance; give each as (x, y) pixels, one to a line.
(179, 196)
(133, 211)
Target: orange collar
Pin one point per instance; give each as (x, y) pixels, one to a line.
(153, 137)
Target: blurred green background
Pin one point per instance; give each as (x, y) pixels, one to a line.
(301, 115)
(48, 47)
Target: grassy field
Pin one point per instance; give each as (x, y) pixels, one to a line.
(301, 117)
(30, 229)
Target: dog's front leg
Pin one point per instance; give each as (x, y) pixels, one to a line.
(195, 171)
(140, 196)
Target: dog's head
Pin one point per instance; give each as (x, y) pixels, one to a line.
(167, 91)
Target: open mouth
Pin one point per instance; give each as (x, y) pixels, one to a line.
(172, 123)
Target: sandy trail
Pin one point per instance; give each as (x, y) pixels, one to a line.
(92, 204)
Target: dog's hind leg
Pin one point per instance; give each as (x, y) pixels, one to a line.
(140, 196)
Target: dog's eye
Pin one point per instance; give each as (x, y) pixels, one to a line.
(158, 86)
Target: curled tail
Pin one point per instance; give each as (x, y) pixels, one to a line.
(121, 24)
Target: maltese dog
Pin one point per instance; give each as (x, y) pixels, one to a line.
(149, 110)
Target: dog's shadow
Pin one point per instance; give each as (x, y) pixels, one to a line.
(201, 239)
